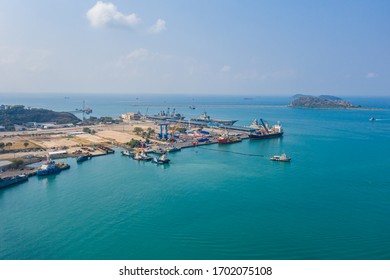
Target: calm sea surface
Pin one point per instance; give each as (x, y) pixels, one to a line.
(331, 202)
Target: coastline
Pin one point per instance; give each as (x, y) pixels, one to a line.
(74, 142)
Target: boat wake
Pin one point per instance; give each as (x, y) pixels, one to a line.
(224, 151)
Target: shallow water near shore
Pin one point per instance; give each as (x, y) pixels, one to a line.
(330, 202)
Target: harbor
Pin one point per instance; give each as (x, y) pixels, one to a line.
(139, 136)
(185, 208)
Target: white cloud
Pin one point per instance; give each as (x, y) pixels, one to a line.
(159, 26)
(106, 14)
(226, 68)
(138, 54)
(371, 75)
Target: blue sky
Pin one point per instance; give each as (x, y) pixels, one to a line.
(195, 47)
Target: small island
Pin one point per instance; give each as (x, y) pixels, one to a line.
(321, 102)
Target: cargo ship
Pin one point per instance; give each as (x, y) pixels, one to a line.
(266, 132)
(207, 119)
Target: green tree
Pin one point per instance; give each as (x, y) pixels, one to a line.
(134, 143)
(138, 130)
(2, 145)
(150, 132)
(25, 144)
(9, 145)
(16, 163)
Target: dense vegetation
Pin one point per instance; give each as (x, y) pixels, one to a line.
(134, 143)
(328, 97)
(18, 114)
(88, 130)
(321, 102)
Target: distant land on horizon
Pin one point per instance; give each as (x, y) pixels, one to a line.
(321, 102)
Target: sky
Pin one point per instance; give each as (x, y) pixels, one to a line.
(218, 47)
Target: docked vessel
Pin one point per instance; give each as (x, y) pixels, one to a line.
(142, 156)
(161, 160)
(207, 119)
(83, 158)
(162, 115)
(9, 181)
(266, 132)
(50, 167)
(282, 157)
(227, 139)
(128, 153)
(172, 149)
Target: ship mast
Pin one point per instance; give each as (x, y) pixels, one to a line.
(83, 110)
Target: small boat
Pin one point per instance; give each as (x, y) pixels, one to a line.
(83, 158)
(128, 153)
(161, 160)
(192, 107)
(372, 119)
(282, 157)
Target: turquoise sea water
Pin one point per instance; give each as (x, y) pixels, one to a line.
(331, 202)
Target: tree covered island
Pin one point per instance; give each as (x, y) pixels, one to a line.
(321, 102)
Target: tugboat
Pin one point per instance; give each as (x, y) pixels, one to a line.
(50, 167)
(128, 153)
(142, 156)
(282, 157)
(206, 119)
(161, 160)
(265, 132)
